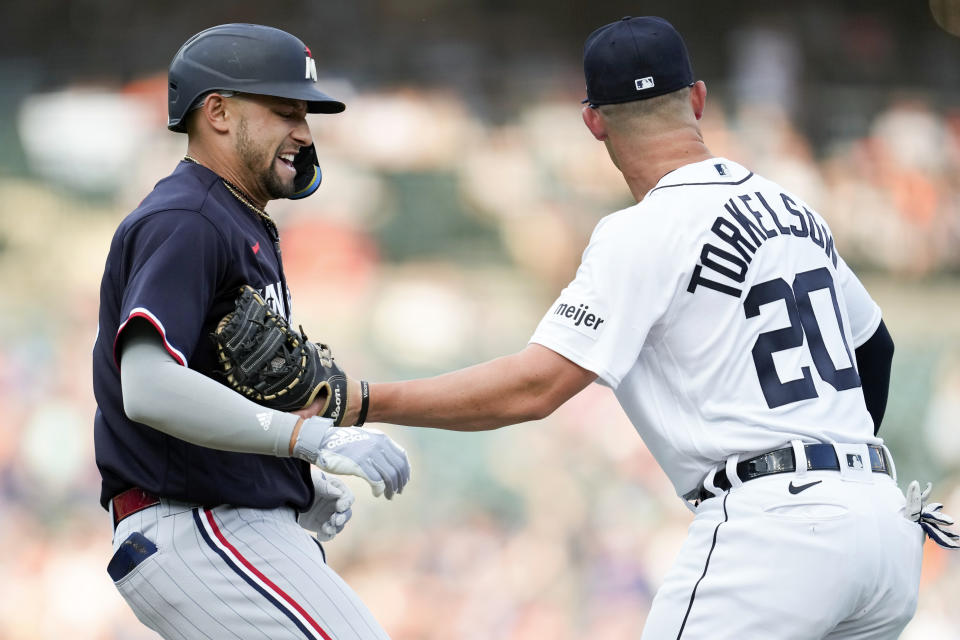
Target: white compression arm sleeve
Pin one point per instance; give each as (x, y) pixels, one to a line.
(183, 403)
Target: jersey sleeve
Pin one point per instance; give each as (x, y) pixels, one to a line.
(864, 313)
(602, 318)
(172, 262)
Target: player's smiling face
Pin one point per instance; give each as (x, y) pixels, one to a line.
(269, 135)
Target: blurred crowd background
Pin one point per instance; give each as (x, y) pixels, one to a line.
(460, 187)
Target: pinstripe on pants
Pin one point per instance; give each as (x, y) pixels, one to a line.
(230, 572)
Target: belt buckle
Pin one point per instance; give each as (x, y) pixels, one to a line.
(881, 461)
(855, 464)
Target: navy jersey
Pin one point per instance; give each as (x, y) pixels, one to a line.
(178, 262)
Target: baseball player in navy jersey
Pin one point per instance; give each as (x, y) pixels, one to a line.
(212, 495)
(746, 353)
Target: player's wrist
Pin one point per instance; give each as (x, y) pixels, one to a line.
(364, 403)
(354, 401)
(309, 438)
(296, 433)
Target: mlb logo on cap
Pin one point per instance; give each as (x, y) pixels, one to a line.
(635, 59)
(644, 83)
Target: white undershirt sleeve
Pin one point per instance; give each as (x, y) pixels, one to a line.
(183, 403)
(864, 313)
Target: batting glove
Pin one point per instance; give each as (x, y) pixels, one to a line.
(330, 510)
(367, 453)
(929, 516)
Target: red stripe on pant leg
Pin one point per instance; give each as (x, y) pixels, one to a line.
(293, 603)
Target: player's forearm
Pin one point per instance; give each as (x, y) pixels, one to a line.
(485, 396)
(186, 404)
(528, 385)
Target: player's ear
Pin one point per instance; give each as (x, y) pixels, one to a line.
(216, 112)
(594, 122)
(698, 98)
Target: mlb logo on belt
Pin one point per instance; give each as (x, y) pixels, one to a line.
(854, 461)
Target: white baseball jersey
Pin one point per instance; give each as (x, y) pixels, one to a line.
(722, 316)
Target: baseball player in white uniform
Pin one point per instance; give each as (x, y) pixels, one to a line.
(746, 353)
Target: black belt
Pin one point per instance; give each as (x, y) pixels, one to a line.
(820, 457)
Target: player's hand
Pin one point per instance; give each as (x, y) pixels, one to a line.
(929, 516)
(314, 407)
(331, 507)
(320, 402)
(367, 453)
(267, 361)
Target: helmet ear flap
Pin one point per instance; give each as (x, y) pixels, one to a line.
(309, 175)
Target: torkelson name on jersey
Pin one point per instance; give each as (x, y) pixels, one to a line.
(732, 267)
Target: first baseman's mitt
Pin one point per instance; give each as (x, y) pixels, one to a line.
(267, 361)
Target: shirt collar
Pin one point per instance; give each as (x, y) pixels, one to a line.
(709, 171)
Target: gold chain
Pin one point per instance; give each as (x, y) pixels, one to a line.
(239, 195)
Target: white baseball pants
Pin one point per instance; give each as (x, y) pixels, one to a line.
(835, 561)
(231, 572)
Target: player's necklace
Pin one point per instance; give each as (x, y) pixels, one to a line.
(239, 195)
(263, 216)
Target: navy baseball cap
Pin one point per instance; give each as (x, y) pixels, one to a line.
(634, 59)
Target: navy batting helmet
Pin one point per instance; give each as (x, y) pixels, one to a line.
(249, 58)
